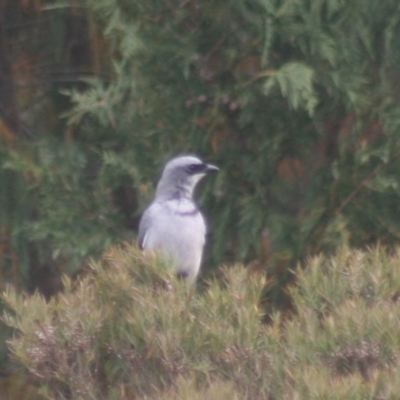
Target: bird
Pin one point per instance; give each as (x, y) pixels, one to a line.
(173, 225)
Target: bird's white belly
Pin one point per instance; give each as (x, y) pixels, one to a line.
(180, 236)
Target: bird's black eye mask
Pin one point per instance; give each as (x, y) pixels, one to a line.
(194, 169)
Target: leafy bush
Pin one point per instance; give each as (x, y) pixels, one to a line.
(129, 329)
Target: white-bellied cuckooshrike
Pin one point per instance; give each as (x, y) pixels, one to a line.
(173, 224)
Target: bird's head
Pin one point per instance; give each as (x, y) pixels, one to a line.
(181, 175)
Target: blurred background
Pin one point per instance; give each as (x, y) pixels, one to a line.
(297, 102)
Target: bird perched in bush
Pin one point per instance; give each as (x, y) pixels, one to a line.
(173, 224)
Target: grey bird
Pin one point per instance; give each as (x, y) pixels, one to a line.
(173, 224)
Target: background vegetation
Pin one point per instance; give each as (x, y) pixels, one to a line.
(296, 101)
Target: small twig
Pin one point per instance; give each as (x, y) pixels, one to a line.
(263, 74)
(221, 41)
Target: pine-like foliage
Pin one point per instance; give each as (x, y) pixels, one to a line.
(130, 329)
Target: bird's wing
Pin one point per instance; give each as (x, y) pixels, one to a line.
(144, 226)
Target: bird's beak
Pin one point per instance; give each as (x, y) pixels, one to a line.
(211, 168)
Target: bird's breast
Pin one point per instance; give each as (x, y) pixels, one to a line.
(179, 230)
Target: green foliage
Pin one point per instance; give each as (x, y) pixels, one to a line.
(295, 82)
(295, 101)
(292, 99)
(75, 218)
(130, 329)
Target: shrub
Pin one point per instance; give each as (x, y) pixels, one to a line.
(130, 329)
